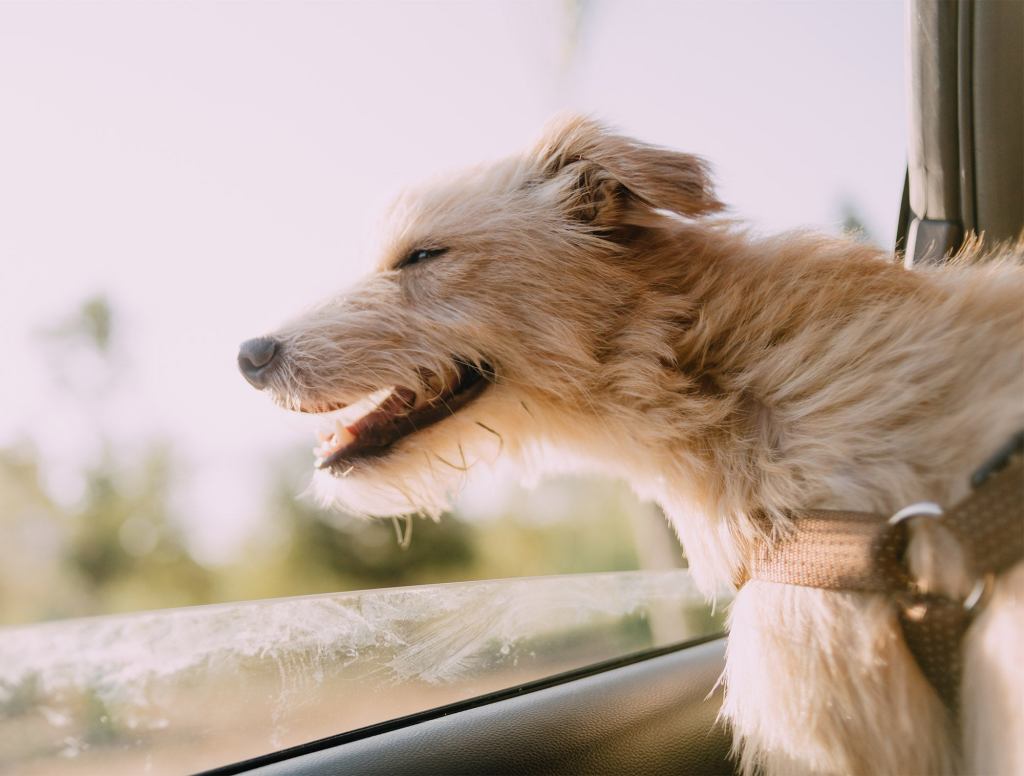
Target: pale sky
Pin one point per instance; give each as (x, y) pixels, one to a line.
(215, 167)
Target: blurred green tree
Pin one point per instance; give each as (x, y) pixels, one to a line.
(124, 544)
(564, 526)
(117, 547)
(307, 549)
(34, 581)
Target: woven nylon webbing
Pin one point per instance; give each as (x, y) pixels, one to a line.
(862, 552)
(990, 522)
(831, 549)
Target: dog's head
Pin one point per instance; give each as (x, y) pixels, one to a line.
(497, 314)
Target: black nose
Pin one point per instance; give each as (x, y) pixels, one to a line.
(256, 360)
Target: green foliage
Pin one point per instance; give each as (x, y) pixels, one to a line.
(308, 550)
(125, 546)
(118, 547)
(34, 581)
(368, 553)
(565, 526)
(92, 325)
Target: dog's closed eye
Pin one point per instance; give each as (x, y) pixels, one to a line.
(417, 255)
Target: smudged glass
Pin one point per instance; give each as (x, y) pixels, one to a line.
(187, 689)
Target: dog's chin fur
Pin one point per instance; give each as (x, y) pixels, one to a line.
(424, 472)
(721, 374)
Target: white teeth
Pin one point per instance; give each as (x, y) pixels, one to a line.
(364, 406)
(342, 436)
(332, 442)
(336, 437)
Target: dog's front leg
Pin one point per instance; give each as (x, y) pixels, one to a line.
(993, 682)
(820, 682)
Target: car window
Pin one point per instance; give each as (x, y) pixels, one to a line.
(183, 690)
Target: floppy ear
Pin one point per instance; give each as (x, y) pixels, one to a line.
(615, 180)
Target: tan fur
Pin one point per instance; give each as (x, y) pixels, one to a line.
(721, 373)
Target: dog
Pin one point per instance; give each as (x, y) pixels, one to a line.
(589, 300)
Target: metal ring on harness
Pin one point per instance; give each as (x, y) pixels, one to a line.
(920, 509)
(982, 586)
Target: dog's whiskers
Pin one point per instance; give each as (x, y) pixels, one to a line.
(501, 439)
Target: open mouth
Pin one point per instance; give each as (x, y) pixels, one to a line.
(370, 427)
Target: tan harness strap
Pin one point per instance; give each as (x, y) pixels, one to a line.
(990, 522)
(863, 552)
(830, 549)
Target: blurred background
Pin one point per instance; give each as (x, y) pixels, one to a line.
(178, 177)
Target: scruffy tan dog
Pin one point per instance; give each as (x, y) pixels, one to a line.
(583, 301)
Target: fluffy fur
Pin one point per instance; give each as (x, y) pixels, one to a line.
(633, 331)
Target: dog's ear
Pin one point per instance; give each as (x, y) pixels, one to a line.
(613, 180)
